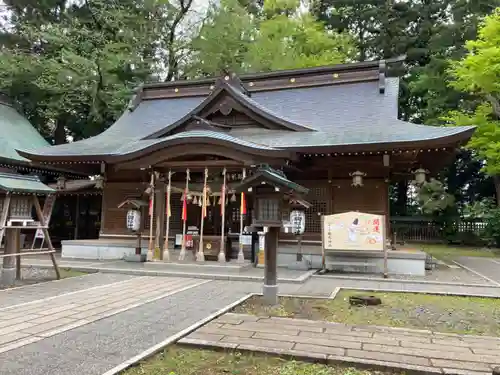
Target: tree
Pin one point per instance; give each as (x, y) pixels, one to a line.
(71, 66)
(478, 74)
(279, 37)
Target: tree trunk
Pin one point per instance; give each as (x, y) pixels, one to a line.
(496, 181)
(401, 198)
(59, 133)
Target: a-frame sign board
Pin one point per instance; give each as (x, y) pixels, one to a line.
(20, 195)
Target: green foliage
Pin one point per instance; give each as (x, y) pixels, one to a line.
(433, 198)
(478, 73)
(72, 68)
(280, 37)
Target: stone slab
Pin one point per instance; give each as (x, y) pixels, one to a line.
(410, 350)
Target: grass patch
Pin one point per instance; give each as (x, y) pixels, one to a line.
(68, 272)
(449, 253)
(463, 315)
(177, 360)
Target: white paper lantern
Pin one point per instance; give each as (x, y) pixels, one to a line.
(133, 220)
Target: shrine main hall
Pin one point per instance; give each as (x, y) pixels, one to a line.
(333, 130)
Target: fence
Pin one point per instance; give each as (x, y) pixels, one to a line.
(414, 229)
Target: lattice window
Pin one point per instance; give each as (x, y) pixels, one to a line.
(313, 216)
(320, 197)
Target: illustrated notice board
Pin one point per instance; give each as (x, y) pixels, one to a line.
(353, 231)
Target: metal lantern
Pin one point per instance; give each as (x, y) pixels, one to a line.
(357, 178)
(420, 176)
(134, 220)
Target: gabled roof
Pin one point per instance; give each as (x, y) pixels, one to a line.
(16, 183)
(268, 175)
(17, 133)
(352, 106)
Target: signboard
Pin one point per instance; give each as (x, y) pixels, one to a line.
(354, 231)
(262, 246)
(245, 239)
(47, 213)
(298, 221)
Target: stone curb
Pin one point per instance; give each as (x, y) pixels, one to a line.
(428, 282)
(170, 340)
(476, 273)
(291, 354)
(300, 280)
(438, 293)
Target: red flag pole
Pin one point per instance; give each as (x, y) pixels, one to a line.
(182, 255)
(243, 211)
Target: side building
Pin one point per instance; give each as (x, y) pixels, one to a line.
(78, 204)
(334, 130)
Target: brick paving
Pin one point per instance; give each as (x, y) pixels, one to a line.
(405, 349)
(29, 322)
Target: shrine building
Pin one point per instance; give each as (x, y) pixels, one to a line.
(333, 130)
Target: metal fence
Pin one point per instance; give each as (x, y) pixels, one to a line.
(414, 229)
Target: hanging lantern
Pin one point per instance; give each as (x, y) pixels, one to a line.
(182, 197)
(233, 198)
(61, 183)
(420, 176)
(195, 200)
(189, 197)
(99, 182)
(200, 202)
(357, 178)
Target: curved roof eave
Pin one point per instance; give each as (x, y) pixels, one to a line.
(200, 137)
(453, 140)
(242, 100)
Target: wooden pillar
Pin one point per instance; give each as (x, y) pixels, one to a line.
(77, 216)
(270, 289)
(18, 250)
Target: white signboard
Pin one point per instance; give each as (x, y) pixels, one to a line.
(354, 231)
(245, 239)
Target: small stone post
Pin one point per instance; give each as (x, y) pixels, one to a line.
(8, 269)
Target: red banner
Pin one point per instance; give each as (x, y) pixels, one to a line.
(184, 206)
(243, 208)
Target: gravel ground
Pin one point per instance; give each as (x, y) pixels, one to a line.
(33, 275)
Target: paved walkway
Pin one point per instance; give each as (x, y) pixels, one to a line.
(89, 324)
(487, 267)
(416, 350)
(90, 331)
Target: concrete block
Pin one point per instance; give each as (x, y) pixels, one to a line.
(462, 365)
(8, 277)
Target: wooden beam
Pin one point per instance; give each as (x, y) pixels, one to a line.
(45, 231)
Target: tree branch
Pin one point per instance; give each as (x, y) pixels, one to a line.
(495, 103)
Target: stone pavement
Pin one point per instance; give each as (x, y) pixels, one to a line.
(417, 350)
(489, 268)
(90, 324)
(28, 322)
(93, 344)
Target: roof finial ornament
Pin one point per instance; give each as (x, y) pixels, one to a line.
(382, 69)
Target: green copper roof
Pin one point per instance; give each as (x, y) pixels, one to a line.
(16, 183)
(17, 133)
